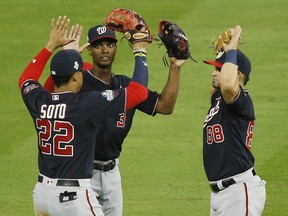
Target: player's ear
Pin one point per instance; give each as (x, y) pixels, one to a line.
(89, 50)
(74, 77)
(77, 80)
(242, 77)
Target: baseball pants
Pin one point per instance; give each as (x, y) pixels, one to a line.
(53, 200)
(244, 198)
(108, 189)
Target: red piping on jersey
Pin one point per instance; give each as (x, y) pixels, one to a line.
(35, 68)
(246, 195)
(87, 197)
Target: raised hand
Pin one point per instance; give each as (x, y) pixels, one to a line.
(234, 40)
(58, 33)
(177, 62)
(75, 33)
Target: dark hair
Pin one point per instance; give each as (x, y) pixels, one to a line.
(61, 80)
(246, 78)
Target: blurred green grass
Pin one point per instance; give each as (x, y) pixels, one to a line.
(161, 162)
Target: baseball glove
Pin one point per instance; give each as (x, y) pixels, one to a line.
(130, 23)
(175, 41)
(224, 38)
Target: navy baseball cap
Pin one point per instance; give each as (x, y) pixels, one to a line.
(243, 62)
(100, 32)
(66, 62)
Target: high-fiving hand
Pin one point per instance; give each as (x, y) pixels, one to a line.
(234, 40)
(58, 34)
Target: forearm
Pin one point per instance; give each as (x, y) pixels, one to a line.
(169, 94)
(229, 77)
(140, 74)
(35, 67)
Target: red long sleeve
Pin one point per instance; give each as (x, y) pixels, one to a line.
(35, 67)
(136, 93)
(49, 84)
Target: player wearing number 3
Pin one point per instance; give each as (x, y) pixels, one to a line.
(227, 137)
(66, 123)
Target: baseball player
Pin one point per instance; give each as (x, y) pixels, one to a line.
(66, 124)
(227, 137)
(106, 180)
(102, 47)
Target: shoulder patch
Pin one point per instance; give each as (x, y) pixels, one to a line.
(109, 94)
(30, 87)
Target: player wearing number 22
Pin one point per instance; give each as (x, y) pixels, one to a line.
(227, 137)
(66, 123)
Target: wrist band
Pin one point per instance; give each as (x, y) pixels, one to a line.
(139, 51)
(139, 54)
(231, 56)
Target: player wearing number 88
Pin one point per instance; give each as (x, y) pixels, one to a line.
(227, 137)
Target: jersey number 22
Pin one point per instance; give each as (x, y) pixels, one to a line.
(58, 145)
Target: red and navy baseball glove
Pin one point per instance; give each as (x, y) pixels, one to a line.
(130, 23)
(175, 41)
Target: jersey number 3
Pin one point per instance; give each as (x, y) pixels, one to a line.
(58, 145)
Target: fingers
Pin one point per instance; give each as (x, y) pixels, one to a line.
(58, 33)
(62, 23)
(80, 30)
(65, 23)
(58, 21)
(71, 31)
(52, 24)
(236, 36)
(237, 32)
(234, 40)
(74, 38)
(82, 48)
(76, 31)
